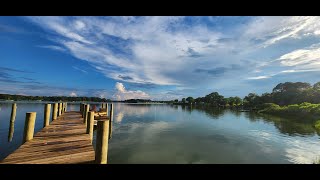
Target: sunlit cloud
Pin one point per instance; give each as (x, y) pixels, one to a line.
(73, 94)
(123, 94)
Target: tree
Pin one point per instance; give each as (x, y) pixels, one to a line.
(214, 99)
(290, 86)
(183, 100)
(266, 98)
(251, 100)
(176, 100)
(237, 101)
(190, 99)
(316, 86)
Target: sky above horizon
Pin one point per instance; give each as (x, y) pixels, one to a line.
(158, 58)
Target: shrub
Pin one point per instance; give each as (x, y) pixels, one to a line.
(317, 125)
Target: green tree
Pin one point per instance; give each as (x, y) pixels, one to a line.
(290, 86)
(190, 99)
(251, 100)
(214, 99)
(316, 86)
(237, 101)
(183, 100)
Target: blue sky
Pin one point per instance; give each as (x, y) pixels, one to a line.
(159, 58)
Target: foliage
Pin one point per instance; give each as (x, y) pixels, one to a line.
(317, 125)
(50, 98)
(183, 100)
(304, 110)
(190, 99)
(285, 94)
(137, 100)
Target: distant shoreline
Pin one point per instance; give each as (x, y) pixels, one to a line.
(77, 102)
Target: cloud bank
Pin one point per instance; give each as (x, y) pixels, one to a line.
(214, 53)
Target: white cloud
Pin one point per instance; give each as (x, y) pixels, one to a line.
(123, 94)
(120, 87)
(259, 77)
(273, 29)
(308, 58)
(168, 51)
(59, 26)
(73, 94)
(79, 25)
(56, 48)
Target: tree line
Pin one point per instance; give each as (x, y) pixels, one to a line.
(282, 94)
(51, 98)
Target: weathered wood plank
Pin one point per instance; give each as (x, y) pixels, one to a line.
(64, 141)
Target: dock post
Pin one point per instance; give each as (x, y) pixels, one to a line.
(110, 120)
(12, 119)
(47, 109)
(107, 108)
(60, 109)
(54, 111)
(90, 124)
(102, 142)
(29, 126)
(85, 116)
(83, 109)
(58, 113)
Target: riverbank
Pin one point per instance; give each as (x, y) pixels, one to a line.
(304, 112)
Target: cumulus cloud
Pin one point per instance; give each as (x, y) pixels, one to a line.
(123, 94)
(73, 94)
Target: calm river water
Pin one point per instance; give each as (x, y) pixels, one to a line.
(162, 133)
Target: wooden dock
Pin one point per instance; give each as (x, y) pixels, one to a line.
(64, 141)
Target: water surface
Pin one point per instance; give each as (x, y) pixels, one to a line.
(162, 133)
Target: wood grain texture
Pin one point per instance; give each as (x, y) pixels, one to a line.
(64, 141)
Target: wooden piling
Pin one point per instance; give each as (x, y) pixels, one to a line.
(12, 119)
(90, 124)
(83, 109)
(107, 108)
(60, 109)
(47, 110)
(110, 121)
(29, 126)
(101, 153)
(86, 110)
(55, 111)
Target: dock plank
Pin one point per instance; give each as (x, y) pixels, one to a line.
(64, 141)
